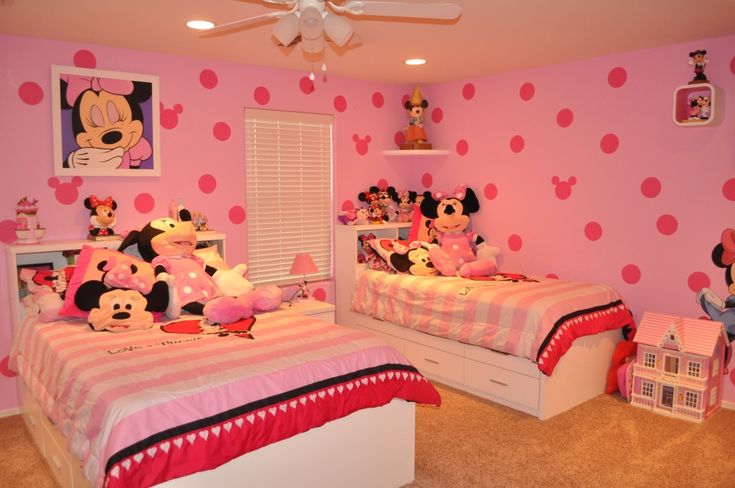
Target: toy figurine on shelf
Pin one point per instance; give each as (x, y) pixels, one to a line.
(698, 59)
(415, 133)
(27, 228)
(102, 218)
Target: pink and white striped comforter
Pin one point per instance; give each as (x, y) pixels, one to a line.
(143, 407)
(536, 319)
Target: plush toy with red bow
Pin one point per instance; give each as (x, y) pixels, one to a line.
(101, 216)
(717, 308)
(459, 252)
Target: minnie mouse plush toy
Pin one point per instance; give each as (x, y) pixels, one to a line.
(459, 253)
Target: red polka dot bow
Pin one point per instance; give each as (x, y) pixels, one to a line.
(107, 202)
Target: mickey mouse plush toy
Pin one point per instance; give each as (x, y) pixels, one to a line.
(455, 254)
(101, 216)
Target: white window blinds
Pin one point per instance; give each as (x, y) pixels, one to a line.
(288, 171)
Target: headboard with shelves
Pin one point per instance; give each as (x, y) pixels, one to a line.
(347, 246)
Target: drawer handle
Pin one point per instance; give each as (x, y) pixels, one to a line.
(498, 382)
(431, 361)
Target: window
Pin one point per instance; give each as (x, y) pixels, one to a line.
(691, 399)
(649, 360)
(713, 396)
(288, 171)
(647, 389)
(671, 364)
(694, 369)
(715, 366)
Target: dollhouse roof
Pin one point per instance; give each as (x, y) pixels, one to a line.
(693, 336)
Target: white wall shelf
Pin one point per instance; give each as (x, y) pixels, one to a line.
(682, 96)
(416, 152)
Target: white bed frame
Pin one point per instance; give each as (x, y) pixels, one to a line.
(373, 447)
(515, 382)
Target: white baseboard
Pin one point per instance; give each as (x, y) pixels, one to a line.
(10, 412)
(728, 405)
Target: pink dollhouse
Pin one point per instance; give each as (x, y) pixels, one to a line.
(679, 366)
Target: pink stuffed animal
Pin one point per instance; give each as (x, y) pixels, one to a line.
(456, 254)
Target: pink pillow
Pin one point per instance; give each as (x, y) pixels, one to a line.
(420, 227)
(88, 268)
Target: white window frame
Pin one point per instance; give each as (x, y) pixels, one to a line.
(649, 359)
(691, 399)
(694, 369)
(713, 396)
(289, 194)
(647, 389)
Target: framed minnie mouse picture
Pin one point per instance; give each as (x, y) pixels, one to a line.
(105, 123)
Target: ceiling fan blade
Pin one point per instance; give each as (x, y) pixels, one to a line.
(440, 11)
(244, 22)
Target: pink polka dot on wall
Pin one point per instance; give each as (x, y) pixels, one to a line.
(552, 276)
(144, 203)
(378, 100)
(427, 180)
(170, 116)
(207, 183)
(517, 143)
(728, 189)
(340, 103)
(348, 205)
(617, 77)
(527, 91)
(208, 79)
(667, 224)
(697, 281)
(399, 138)
(404, 99)
(7, 231)
(609, 143)
(66, 193)
(320, 294)
(221, 131)
(237, 215)
(565, 117)
(30, 93)
(593, 231)
(468, 91)
(261, 95)
(651, 187)
(382, 183)
(85, 59)
(732, 65)
(437, 115)
(5, 368)
(306, 85)
(462, 147)
(515, 243)
(631, 274)
(491, 191)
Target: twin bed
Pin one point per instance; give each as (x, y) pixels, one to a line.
(301, 402)
(538, 345)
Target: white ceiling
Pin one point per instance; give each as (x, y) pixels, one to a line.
(490, 37)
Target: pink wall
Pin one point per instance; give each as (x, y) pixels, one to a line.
(560, 113)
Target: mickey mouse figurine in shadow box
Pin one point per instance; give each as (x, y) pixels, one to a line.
(102, 218)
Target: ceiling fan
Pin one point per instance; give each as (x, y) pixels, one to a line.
(312, 19)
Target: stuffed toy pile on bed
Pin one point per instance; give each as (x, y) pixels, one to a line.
(439, 241)
(116, 291)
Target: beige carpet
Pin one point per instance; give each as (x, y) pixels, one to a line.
(469, 442)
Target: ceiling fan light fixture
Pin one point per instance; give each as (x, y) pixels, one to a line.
(200, 24)
(338, 29)
(313, 46)
(311, 24)
(415, 61)
(286, 29)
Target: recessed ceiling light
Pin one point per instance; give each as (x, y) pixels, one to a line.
(415, 61)
(200, 24)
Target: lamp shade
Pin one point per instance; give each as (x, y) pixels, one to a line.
(338, 29)
(303, 264)
(310, 23)
(286, 29)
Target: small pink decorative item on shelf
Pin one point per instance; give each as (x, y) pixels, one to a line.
(26, 221)
(303, 264)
